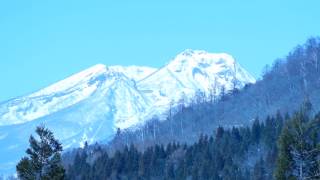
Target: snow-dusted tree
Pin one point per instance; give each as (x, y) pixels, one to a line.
(222, 91)
(299, 149)
(200, 97)
(44, 161)
(234, 78)
(312, 48)
(170, 116)
(213, 91)
(181, 106)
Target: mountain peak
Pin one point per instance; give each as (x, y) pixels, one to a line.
(192, 71)
(201, 56)
(188, 52)
(97, 67)
(192, 52)
(190, 59)
(73, 80)
(91, 104)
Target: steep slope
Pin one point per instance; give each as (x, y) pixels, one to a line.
(91, 105)
(114, 103)
(290, 83)
(63, 94)
(190, 72)
(51, 99)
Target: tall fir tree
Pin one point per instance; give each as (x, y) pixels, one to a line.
(44, 158)
(299, 149)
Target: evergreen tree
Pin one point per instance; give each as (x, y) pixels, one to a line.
(299, 150)
(170, 172)
(256, 131)
(259, 172)
(44, 161)
(228, 154)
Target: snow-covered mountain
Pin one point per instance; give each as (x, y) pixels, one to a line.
(91, 105)
(69, 92)
(190, 72)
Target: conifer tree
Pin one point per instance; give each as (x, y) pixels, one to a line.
(299, 150)
(259, 171)
(44, 158)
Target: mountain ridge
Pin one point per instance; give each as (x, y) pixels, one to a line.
(91, 105)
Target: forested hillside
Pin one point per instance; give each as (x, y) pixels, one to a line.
(284, 87)
(234, 153)
(244, 125)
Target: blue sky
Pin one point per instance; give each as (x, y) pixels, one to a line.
(42, 42)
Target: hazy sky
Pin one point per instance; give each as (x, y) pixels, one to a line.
(42, 41)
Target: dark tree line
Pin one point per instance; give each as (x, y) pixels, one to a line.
(235, 153)
(279, 147)
(231, 153)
